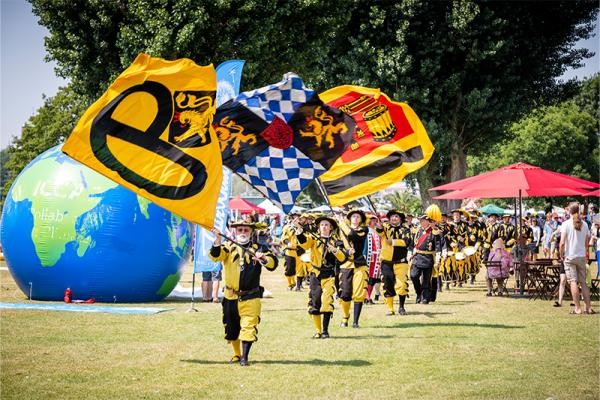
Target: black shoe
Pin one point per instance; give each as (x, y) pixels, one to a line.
(402, 311)
(425, 301)
(489, 294)
(376, 297)
(418, 300)
(460, 284)
(447, 286)
(245, 351)
(324, 335)
(355, 325)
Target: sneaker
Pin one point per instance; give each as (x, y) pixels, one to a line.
(344, 324)
(325, 335)
(425, 302)
(244, 362)
(355, 325)
(402, 311)
(317, 336)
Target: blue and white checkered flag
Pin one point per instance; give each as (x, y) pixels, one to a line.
(281, 174)
(280, 99)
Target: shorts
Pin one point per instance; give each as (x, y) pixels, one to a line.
(575, 269)
(212, 276)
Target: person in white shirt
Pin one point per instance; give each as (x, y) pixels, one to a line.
(574, 238)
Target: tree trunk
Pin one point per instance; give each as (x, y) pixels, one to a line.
(458, 170)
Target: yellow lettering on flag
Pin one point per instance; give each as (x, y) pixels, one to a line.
(389, 142)
(151, 132)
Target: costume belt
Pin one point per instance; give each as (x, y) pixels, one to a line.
(241, 293)
(425, 252)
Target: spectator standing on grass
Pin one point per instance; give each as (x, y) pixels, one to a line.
(574, 239)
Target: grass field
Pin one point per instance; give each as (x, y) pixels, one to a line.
(465, 346)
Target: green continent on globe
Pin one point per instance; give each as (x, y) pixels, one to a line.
(177, 243)
(59, 194)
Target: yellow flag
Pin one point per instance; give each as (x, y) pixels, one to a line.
(151, 132)
(389, 142)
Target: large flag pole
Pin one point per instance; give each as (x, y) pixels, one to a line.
(228, 86)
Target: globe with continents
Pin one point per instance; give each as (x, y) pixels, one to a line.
(66, 226)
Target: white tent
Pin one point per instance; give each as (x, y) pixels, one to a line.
(269, 207)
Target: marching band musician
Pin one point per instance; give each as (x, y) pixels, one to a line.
(373, 259)
(458, 237)
(472, 245)
(490, 235)
(426, 254)
(242, 266)
(293, 268)
(396, 239)
(354, 272)
(445, 268)
(506, 232)
(325, 253)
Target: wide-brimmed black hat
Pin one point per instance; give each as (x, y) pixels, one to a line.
(332, 221)
(362, 214)
(396, 212)
(235, 224)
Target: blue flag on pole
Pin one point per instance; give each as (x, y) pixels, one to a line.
(229, 74)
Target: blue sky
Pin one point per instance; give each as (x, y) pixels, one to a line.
(25, 76)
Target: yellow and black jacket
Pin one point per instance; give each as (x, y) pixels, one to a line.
(241, 274)
(322, 260)
(507, 233)
(401, 241)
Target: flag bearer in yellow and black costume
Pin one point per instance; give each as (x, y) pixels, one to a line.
(458, 237)
(426, 255)
(325, 252)
(293, 267)
(242, 266)
(396, 239)
(354, 273)
(472, 245)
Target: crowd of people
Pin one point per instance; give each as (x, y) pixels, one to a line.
(354, 258)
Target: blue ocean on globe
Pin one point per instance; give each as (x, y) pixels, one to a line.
(66, 226)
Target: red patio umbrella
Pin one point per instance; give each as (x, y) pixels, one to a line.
(594, 193)
(509, 180)
(244, 207)
(497, 193)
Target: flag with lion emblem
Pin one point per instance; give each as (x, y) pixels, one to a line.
(281, 137)
(151, 132)
(389, 142)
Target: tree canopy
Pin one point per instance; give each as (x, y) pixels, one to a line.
(468, 68)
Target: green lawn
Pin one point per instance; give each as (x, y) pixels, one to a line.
(465, 346)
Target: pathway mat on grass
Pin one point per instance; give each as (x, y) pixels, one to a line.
(85, 308)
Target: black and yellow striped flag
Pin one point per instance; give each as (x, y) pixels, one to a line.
(151, 132)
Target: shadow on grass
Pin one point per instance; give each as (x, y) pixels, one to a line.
(453, 302)
(362, 337)
(315, 362)
(427, 313)
(449, 324)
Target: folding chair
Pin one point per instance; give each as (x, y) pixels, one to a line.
(494, 271)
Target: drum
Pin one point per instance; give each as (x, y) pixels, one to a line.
(469, 250)
(305, 257)
(460, 256)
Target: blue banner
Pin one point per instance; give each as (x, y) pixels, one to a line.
(229, 75)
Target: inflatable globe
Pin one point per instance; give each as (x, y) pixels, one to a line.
(66, 226)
